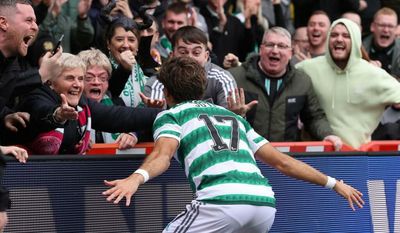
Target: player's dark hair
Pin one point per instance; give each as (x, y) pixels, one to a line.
(183, 78)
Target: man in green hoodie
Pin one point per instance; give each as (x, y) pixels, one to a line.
(353, 92)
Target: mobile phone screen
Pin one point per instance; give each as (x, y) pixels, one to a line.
(58, 44)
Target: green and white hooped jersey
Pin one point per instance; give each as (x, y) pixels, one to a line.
(217, 152)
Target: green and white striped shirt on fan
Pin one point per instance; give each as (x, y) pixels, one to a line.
(217, 152)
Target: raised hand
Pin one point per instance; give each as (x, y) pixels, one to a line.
(230, 61)
(65, 112)
(300, 55)
(221, 14)
(50, 66)
(152, 103)
(122, 7)
(126, 59)
(83, 8)
(237, 104)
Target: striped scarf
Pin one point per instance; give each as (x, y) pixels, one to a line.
(134, 85)
(49, 143)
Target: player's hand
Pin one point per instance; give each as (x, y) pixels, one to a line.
(126, 141)
(16, 120)
(237, 104)
(352, 195)
(122, 188)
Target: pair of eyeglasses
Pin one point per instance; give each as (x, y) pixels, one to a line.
(279, 46)
(101, 79)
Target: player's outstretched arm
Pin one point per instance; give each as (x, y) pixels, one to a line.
(154, 165)
(299, 170)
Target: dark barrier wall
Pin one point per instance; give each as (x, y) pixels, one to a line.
(63, 194)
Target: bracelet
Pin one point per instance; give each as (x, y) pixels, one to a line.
(330, 183)
(144, 173)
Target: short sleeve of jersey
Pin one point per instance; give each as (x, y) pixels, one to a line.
(255, 140)
(166, 125)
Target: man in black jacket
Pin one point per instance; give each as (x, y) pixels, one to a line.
(18, 30)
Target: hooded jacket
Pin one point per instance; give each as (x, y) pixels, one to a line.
(278, 121)
(355, 97)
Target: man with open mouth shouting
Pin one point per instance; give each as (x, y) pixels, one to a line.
(382, 44)
(18, 30)
(352, 91)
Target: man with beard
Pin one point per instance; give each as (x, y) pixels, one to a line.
(18, 30)
(353, 92)
(382, 44)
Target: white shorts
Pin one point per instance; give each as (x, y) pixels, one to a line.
(203, 217)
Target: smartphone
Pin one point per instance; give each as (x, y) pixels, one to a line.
(58, 44)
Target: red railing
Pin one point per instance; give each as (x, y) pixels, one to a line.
(381, 146)
(147, 147)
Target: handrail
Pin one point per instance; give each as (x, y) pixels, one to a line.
(147, 147)
(112, 149)
(392, 145)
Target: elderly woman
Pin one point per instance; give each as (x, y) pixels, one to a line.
(98, 71)
(62, 119)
